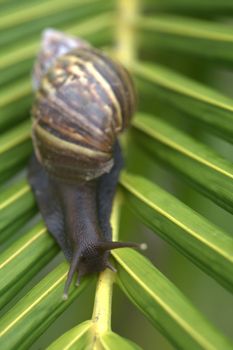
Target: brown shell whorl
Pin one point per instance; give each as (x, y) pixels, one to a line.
(53, 45)
(83, 102)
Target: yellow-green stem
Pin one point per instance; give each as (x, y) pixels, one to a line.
(126, 49)
(101, 317)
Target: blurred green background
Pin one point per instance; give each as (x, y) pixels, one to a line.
(99, 22)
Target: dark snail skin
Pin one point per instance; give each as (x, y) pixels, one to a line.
(83, 101)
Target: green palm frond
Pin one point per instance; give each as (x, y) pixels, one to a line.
(192, 234)
(177, 181)
(176, 33)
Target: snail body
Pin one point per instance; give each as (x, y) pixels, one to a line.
(83, 101)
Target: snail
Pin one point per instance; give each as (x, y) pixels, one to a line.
(83, 100)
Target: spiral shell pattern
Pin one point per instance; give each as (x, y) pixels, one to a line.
(84, 101)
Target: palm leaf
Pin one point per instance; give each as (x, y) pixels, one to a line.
(27, 320)
(15, 147)
(193, 235)
(164, 305)
(77, 337)
(211, 108)
(16, 202)
(129, 30)
(204, 38)
(200, 7)
(23, 259)
(201, 166)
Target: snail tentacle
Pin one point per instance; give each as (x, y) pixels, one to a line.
(72, 270)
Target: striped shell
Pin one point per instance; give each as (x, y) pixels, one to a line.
(84, 100)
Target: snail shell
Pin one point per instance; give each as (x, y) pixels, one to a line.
(84, 100)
